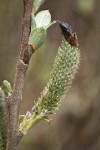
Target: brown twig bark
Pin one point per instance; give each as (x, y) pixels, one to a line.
(14, 100)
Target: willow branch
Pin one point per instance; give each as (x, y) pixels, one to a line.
(14, 100)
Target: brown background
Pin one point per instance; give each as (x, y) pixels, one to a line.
(76, 126)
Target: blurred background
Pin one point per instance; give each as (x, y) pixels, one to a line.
(76, 125)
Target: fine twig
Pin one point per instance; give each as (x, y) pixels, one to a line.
(14, 100)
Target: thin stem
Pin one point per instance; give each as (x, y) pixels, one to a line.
(25, 50)
(14, 100)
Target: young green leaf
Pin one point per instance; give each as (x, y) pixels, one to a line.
(37, 4)
(43, 19)
(39, 25)
(37, 37)
(7, 86)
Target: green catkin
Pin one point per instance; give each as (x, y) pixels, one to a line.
(64, 69)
